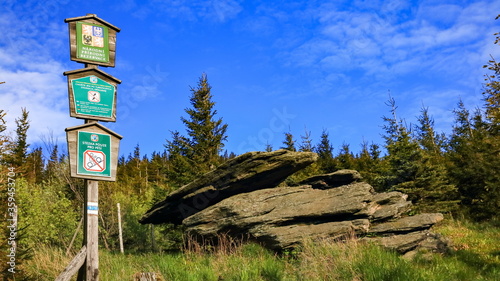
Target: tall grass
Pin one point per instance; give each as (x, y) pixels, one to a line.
(476, 257)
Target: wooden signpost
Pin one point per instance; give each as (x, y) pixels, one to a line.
(93, 148)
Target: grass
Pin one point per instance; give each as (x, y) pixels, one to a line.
(476, 256)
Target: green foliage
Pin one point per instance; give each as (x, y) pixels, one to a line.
(306, 144)
(289, 142)
(20, 146)
(345, 158)
(324, 149)
(474, 161)
(199, 152)
(49, 216)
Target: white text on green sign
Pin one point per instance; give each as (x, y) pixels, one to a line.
(93, 96)
(92, 42)
(93, 154)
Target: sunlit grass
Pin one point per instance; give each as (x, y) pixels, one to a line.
(476, 257)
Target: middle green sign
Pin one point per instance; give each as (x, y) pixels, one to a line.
(93, 96)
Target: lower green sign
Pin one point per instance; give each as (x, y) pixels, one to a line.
(93, 96)
(93, 154)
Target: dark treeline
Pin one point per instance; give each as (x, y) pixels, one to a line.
(455, 173)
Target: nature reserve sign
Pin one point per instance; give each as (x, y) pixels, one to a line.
(93, 96)
(92, 42)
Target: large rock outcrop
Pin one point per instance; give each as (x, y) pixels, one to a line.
(282, 217)
(242, 199)
(245, 173)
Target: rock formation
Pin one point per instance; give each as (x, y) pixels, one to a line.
(242, 199)
(245, 173)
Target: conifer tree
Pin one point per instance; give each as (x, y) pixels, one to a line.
(19, 148)
(324, 149)
(345, 159)
(438, 193)
(268, 148)
(403, 156)
(474, 150)
(306, 144)
(198, 152)
(3, 138)
(206, 133)
(289, 142)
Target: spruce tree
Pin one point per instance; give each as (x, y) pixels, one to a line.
(289, 142)
(206, 133)
(306, 144)
(3, 138)
(324, 150)
(438, 193)
(199, 151)
(19, 148)
(474, 150)
(403, 157)
(345, 159)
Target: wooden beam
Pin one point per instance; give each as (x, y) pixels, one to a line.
(73, 266)
(90, 269)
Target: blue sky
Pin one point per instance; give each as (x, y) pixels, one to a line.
(274, 66)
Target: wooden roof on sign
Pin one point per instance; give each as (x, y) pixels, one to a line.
(95, 17)
(70, 72)
(91, 124)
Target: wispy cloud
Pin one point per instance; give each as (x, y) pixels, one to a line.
(33, 76)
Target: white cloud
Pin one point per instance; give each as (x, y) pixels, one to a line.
(34, 79)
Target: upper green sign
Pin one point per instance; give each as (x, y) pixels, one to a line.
(92, 42)
(93, 96)
(93, 154)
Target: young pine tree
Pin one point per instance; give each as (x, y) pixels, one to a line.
(324, 149)
(289, 142)
(199, 152)
(439, 194)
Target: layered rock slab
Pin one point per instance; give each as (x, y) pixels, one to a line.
(282, 217)
(245, 173)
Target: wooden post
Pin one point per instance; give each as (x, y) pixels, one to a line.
(85, 162)
(120, 227)
(74, 236)
(73, 266)
(90, 269)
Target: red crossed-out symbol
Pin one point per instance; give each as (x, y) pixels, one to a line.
(94, 161)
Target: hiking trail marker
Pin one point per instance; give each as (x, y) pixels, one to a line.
(93, 148)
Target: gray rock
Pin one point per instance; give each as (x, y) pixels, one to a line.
(335, 179)
(408, 224)
(410, 243)
(282, 217)
(245, 173)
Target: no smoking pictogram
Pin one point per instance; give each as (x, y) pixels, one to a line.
(94, 161)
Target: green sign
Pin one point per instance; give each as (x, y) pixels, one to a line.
(93, 154)
(93, 96)
(92, 42)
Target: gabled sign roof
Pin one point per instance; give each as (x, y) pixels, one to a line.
(95, 17)
(91, 124)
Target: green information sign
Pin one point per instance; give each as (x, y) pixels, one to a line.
(93, 154)
(92, 42)
(93, 96)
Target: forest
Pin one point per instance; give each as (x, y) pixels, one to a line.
(455, 174)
